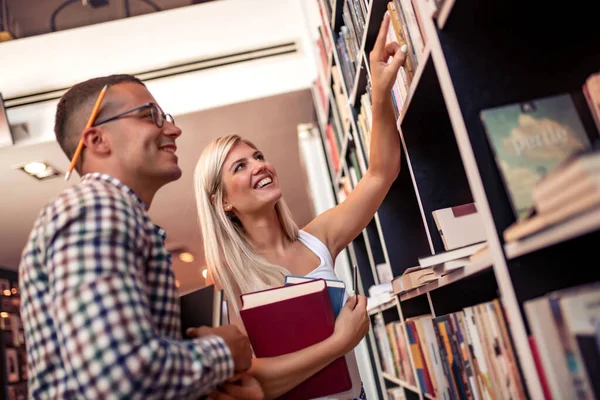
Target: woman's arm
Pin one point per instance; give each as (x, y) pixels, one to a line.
(340, 225)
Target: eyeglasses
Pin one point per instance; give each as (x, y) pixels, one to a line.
(158, 116)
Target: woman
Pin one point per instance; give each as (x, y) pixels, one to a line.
(251, 242)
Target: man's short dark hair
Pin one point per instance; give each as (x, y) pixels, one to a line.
(75, 107)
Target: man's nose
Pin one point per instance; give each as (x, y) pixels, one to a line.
(171, 130)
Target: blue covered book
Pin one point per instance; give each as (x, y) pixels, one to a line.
(336, 289)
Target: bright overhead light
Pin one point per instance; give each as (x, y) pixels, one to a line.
(40, 170)
(204, 273)
(34, 168)
(4, 314)
(6, 292)
(186, 257)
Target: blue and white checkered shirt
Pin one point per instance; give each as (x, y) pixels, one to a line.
(100, 307)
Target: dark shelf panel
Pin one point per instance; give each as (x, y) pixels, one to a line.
(563, 265)
(364, 266)
(375, 242)
(497, 55)
(401, 223)
(472, 290)
(434, 156)
(415, 307)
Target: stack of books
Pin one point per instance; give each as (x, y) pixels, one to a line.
(292, 317)
(433, 267)
(570, 190)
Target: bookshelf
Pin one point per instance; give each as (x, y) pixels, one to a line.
(13, 363)
(474, 55)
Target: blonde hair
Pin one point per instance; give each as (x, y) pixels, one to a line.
(230, 257)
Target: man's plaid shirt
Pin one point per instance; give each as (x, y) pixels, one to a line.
(100, 307)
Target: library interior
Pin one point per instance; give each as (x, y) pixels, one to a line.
(474, 287)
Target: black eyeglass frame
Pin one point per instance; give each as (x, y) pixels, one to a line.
(155, 118)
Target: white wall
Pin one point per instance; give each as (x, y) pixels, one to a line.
(60, 59)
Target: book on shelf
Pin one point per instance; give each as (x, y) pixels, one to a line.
(569, 191)
(418, 356)
(396, 393)
(379, 295)
(531, 138)
(413, 278)
(576, 176)
(535, 223)
(289, 318)
(393, 348)
(467, 354)
(333, 148)
(459, 226)
(591, 91)
(384, 272)
(203, 307)
(454, 254)
(564, 329)
(452, 265)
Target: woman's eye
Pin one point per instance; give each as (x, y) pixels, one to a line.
(260, 157)
(238, 167)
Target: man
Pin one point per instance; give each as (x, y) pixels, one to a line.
(99, 302)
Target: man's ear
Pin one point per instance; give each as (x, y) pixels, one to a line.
(96, 141)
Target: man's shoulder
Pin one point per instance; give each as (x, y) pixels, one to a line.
(88, 195)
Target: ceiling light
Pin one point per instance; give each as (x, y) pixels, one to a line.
(204, 273)
(4, 314)
(40, 170)
(6, 292)
(34, 168)
(186, 257)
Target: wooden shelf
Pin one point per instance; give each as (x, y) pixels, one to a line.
(444, 13)
(342, 158)
(570, 229)
(385, 306)
(400, 382)
(414, 84)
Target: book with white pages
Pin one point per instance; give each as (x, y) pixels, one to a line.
(574, 169)
(541, 221)
(459, 226)
(452, 265)
(461, 252)
(582, 186)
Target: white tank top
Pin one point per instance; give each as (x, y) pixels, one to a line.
(325, 269)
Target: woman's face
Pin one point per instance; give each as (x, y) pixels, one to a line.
(250, 181)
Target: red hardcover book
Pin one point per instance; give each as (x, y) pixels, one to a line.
(286, 319)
